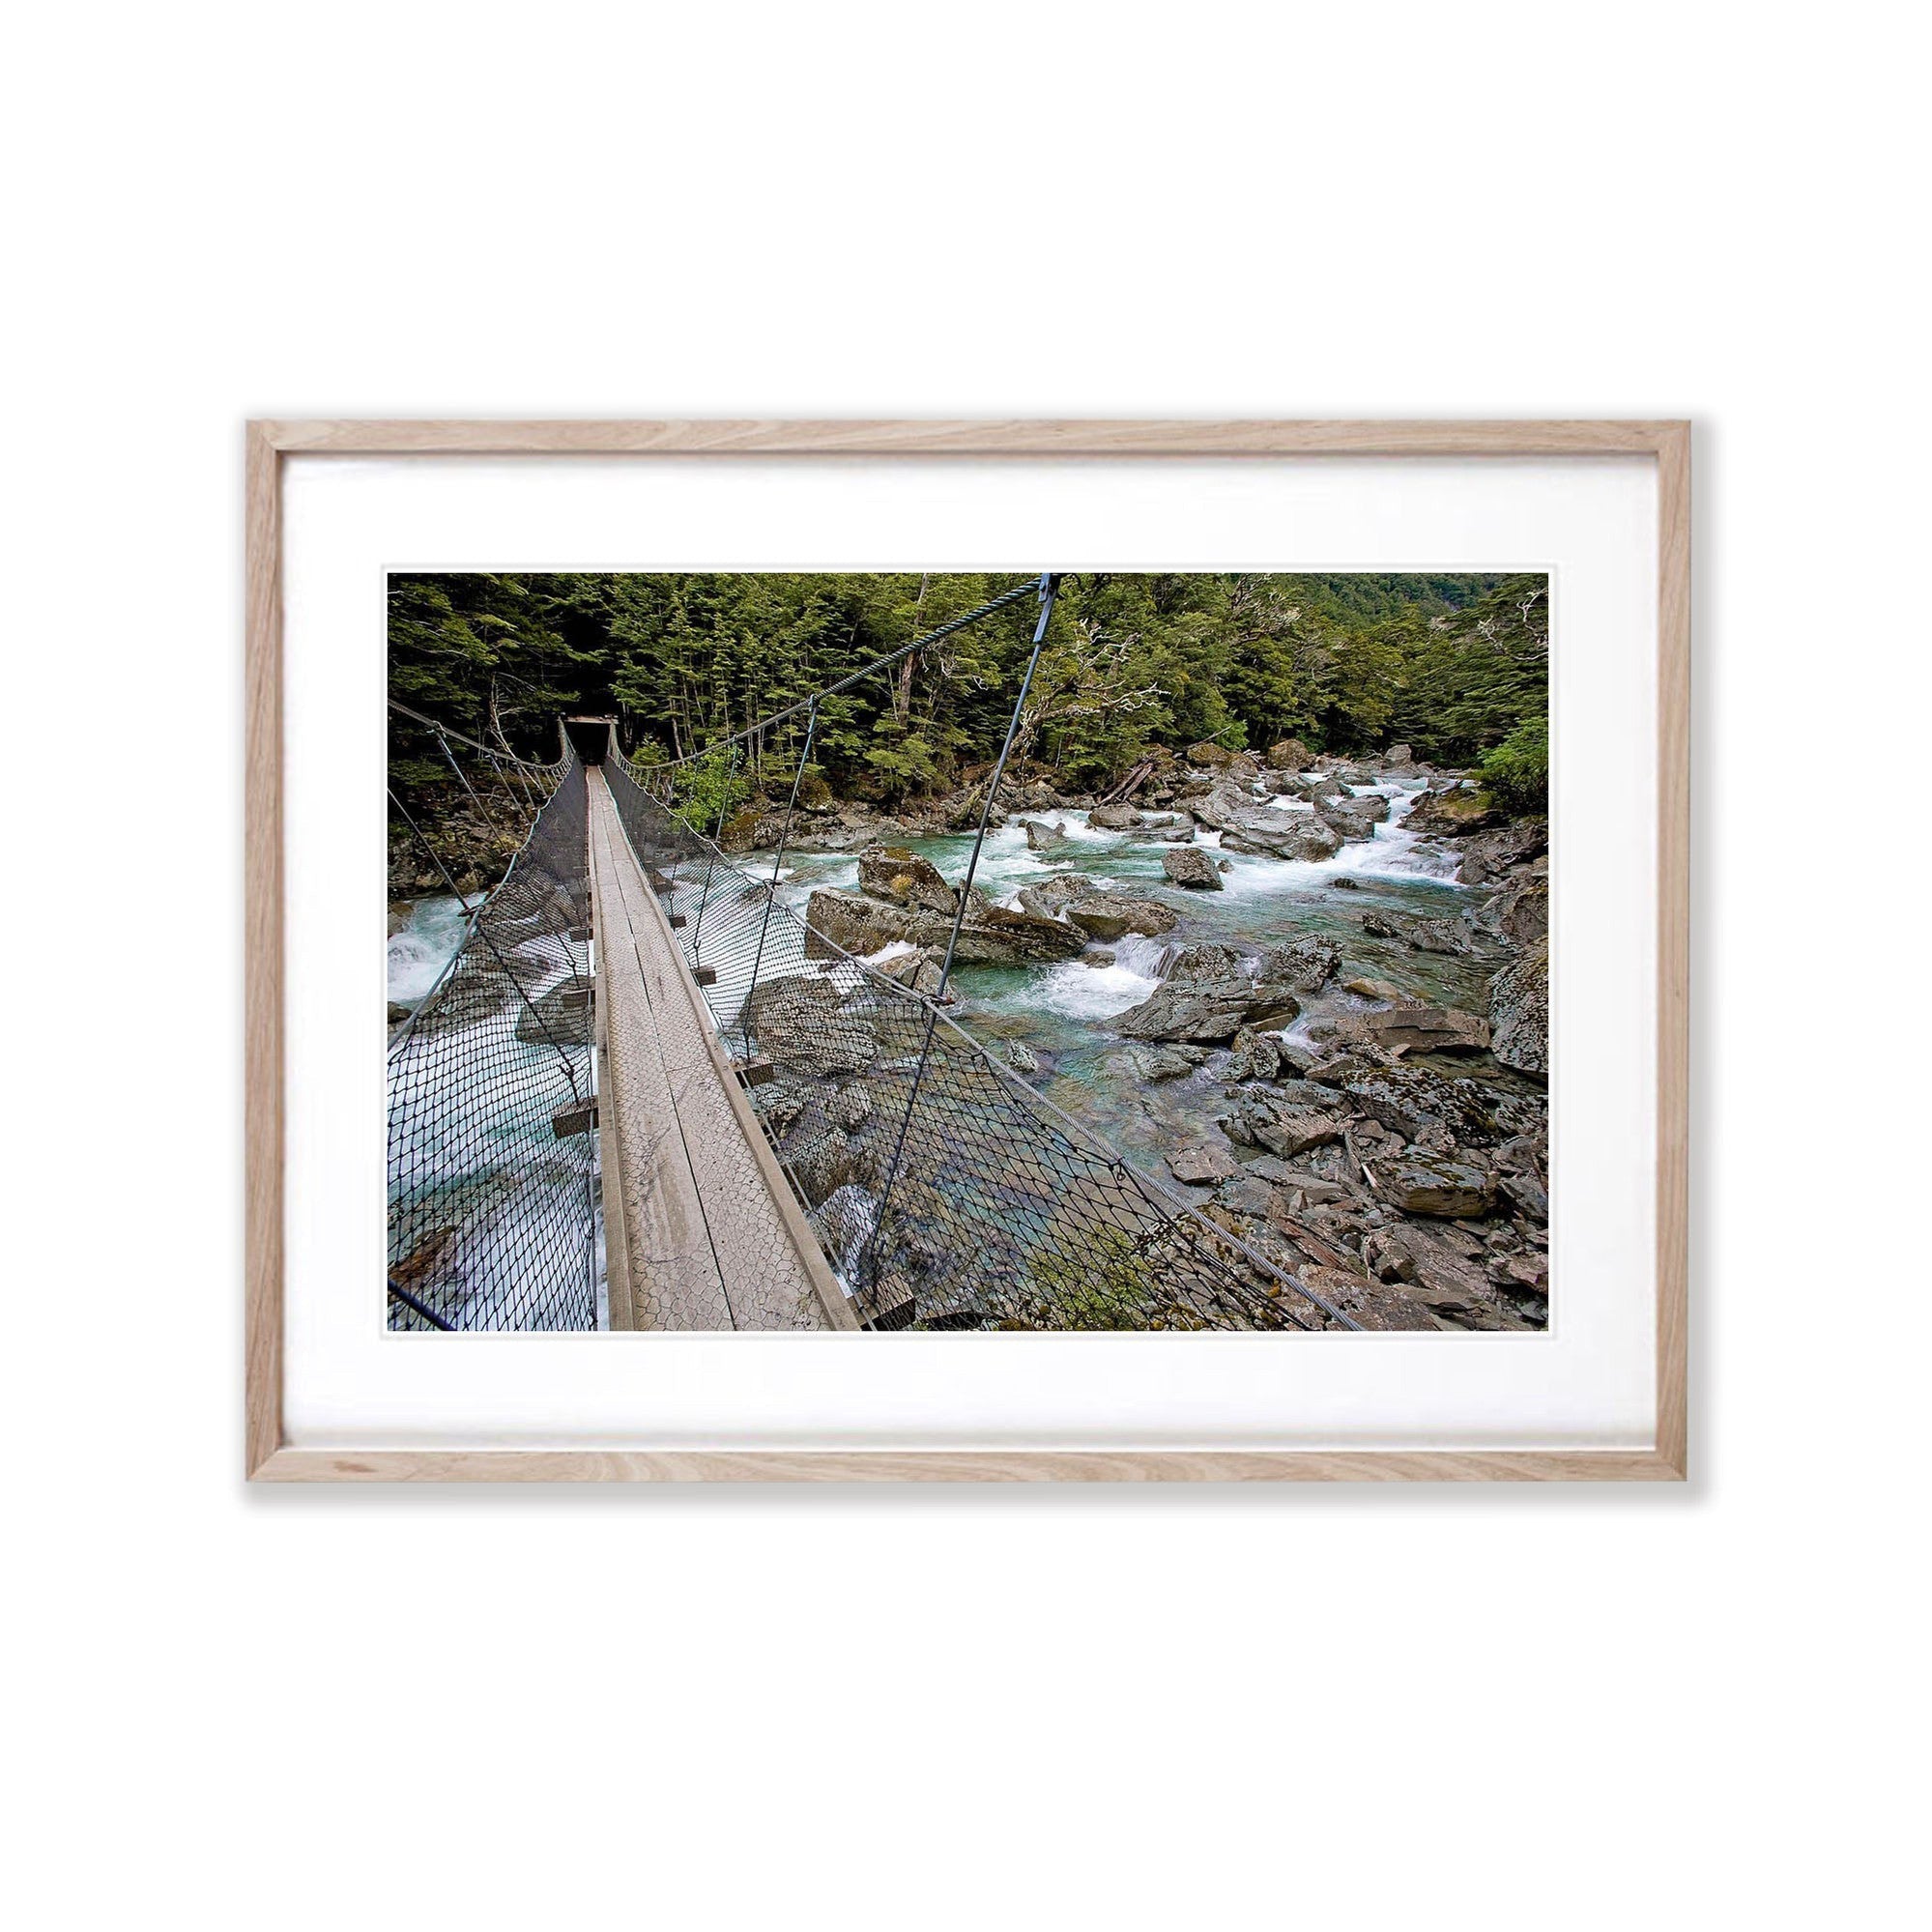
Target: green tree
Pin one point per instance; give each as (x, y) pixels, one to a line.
(1455, 665)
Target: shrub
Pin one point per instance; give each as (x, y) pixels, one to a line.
(705, 790)
(1106, 1285)
(1516, 771)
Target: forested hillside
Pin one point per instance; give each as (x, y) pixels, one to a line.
(1455, 666)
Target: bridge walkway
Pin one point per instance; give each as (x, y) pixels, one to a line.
(702, 1230)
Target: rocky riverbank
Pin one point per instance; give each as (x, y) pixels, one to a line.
(474, 848)
(1334, 1039)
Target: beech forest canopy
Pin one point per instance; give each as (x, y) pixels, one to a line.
(1456, 666)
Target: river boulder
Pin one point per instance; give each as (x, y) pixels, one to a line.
(1171, 1062)
(1167, 829)
(1257, 1057)
(1112, 915)
(1453, 814)
(1290, 1120)
(1291, 753)
(838, 834)
(1207, 1011)
(891, 872)
(1519, 911)
(1519, 1012)
(1306, 965)
(1190, 866)
(1051, 896)
(1417, 1029)
(1249, 826)
(841, 921)
(1318, 790)
(1267, 830)
(1429, 1270)
(1305, 835)
(1211, 757)
(1201, 1167)
(801, 1023)
(1020, 1056)
(1302, 836)
(1098, 912)
(1492, 855)
(918, 970)
(1355, 819)
(1220, 805)
(994, 934)
(1434, 1185)
(1426, 934)
(1205, 959)
(1042, 838)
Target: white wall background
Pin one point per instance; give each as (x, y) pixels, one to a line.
(1338, 1708)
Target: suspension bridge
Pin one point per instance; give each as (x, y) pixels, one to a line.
(646, 1094)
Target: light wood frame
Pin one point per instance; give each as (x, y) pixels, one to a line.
(268, 1458)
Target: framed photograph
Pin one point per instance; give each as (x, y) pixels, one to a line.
(967, 951)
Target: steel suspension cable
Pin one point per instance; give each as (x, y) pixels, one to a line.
(463, 738)
(410, 1301)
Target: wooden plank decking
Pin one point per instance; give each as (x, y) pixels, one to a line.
(711, 1236)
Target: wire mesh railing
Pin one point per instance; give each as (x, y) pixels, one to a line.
(470, 804)
(493, 1187)
(530, 781)
(945, 1191)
